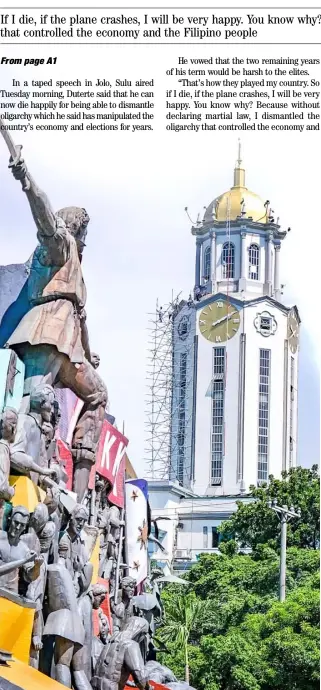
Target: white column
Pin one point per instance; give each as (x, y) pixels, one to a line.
(243, 255)
(198, 263)
(243, 264)
(277, 272)
(213, 261)
(268, 264)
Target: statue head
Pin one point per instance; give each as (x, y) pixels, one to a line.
(41, 401)
(18, 522)
(39, 517)
(98, 595)
(103, 626)
(76, 220)
(46, 536)
(128, 585)
(8, 424)
(95, 360)
(79, 517)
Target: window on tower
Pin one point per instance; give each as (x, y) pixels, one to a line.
(205, 537)
(254, 261)
(264, 409)
(291, 410)
(217, 436)
(207, 263)
(228, 260)
(266, 324)
(181, 417)
(215, 538)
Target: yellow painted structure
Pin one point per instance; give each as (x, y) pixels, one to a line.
(27, 493)
(94, 559)
(15, 628)
(27, 678)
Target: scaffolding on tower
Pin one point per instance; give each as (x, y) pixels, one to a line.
(163, 439)
(159, 380)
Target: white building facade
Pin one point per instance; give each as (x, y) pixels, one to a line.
(235, 362)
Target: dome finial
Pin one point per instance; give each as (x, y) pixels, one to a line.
(239, 158)
(239, 173)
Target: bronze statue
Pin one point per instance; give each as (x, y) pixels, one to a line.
(109, 523)
(90, 599)
(121, 657)
(124, 610)
(43, 531)
(64, 624)
(72, 550)
(52, 338)
(27, 447)
(8, 426)
(158, 673)
(14, 550)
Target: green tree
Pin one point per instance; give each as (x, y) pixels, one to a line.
(254, 523)
(242, 637)
(182, 617)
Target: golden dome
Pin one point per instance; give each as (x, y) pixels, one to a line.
(238, 201)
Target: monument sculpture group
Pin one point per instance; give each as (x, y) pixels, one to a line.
(67, 585)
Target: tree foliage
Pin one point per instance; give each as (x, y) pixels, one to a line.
(255, 523)
(242, 637)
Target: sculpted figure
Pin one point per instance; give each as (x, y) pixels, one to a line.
(17, 562)
(52, 338)
(38, 538)
(123, 611)
(99, 642)
(64, 624)
(109, 522)
(72, 551)
(8, 425)
(158, 673)
(91, 599)
(68, 580)
(28, 440)
(121, 657)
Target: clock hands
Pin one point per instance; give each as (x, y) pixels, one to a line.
(224, 318)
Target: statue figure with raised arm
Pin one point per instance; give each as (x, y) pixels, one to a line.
(52, 337)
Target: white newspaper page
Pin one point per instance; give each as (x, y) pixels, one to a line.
(190, 138)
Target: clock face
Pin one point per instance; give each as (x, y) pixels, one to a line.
(219, 321)
(293, 332)
(183, 327)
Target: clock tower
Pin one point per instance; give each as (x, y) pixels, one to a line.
(235, 353)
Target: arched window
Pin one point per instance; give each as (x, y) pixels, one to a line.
(207, 263)
(254, 261)
(228, 260)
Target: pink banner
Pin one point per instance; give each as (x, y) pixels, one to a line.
(111, 461)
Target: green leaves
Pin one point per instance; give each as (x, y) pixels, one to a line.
(255, 523)
(230, 626)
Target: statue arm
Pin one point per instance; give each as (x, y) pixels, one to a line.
(31, 571)
(41, 209)
(135, 665)
(6, 491)
(51, 229)
(6, 568)
(23, 463)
